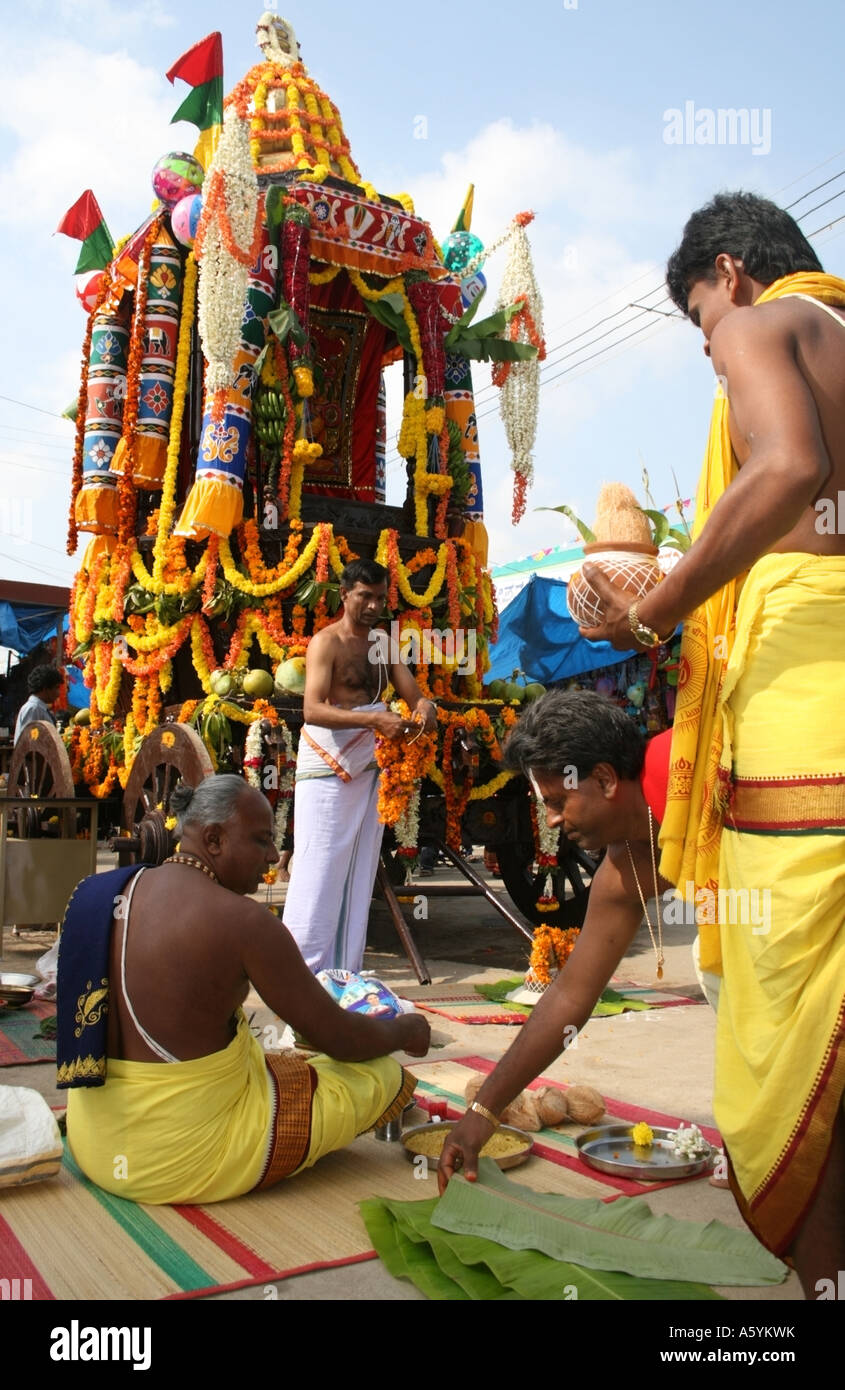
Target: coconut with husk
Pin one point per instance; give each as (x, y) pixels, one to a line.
(623, 547)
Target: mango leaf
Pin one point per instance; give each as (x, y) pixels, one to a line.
(679, 537)
(585, 532)
(623, 1235)
(659, 524)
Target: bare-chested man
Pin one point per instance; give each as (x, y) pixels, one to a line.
(756, 796)
(172, 1099)
(336, 827)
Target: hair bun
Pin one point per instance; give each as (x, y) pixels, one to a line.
(181, 798)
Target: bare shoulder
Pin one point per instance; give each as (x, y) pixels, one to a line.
(323, 643)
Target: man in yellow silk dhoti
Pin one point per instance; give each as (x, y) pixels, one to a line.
(172, 1099)
(337, 833)
(757, 776)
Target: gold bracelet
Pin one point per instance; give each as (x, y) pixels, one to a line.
(485, 1113)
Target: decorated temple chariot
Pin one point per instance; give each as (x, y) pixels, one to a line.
(231, 456)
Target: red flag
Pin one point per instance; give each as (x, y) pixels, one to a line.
(200, 63)
(83, 218)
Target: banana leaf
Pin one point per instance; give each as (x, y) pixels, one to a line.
(624, 1235)
(485, 328)
(388, 310)
(451, 1267)
(609, 1004)
(586, 534)
(495, 350)
(285, 323)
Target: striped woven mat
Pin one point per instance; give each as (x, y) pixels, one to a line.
(471, 1009)
(20, 1042)
(74, 1241)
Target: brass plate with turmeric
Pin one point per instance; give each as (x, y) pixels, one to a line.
(422, 1138)
(611, 1149)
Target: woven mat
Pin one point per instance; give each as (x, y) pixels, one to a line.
(75, 1241)
(469, 1008)
(20, 1042)
(555, 1146)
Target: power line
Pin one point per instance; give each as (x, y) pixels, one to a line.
(32, 468)
(43, 434)
(26, 406)
(814, 190)
(27, 564)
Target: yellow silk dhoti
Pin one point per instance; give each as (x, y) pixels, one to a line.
(219, 1126)
(780, 1058)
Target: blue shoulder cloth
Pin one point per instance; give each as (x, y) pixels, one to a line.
(83, 978)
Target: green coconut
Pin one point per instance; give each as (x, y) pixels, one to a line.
(290, 676)
(514, 692)
(82, 717)
(533, 691)
(496, 690)
(258, 684)
(222, 683)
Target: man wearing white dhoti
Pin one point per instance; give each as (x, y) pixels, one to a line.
(336, 826)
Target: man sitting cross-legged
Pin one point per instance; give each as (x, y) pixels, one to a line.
(173, 1099)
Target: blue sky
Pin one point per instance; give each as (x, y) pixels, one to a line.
(555, 106)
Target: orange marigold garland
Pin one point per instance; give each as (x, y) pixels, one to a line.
(551, 948)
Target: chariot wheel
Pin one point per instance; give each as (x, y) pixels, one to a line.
(525, 882)
(40, 767)
(171, 754)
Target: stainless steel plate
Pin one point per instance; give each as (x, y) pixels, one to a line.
(610, 1149)
(17, 990)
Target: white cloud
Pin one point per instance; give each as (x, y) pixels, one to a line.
(586, 206)
(104, 128)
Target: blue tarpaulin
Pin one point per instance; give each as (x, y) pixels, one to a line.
(537, 636)
(23, 626)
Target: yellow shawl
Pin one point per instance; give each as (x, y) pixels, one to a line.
(698, 783)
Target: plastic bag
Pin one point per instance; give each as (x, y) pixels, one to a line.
(363, 994)
(48, 968)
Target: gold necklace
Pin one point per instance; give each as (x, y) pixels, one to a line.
(193, 863)
(657, 946)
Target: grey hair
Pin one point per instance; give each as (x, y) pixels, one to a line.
(212, 802)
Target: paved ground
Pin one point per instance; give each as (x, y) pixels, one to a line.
(661, 1060)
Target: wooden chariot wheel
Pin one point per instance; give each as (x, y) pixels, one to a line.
(525, 882)
(40, 767)
(171, 754)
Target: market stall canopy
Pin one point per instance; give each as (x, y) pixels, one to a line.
(30, 613)
(537, 636)
(556, 562)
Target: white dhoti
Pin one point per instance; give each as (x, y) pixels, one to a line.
(337, 841)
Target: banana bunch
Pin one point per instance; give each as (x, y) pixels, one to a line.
(216, 734)
(269, 414)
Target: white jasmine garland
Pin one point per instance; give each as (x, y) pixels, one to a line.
(286, 779)
(520, 394)
(689, 1142)
(223, 280)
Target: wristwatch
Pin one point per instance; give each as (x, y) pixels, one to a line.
(646, 636)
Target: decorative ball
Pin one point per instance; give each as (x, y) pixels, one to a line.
(459, 249)
(635, 572)
(175, 176)
(88, 288)
(473, 288)
(185, 217)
